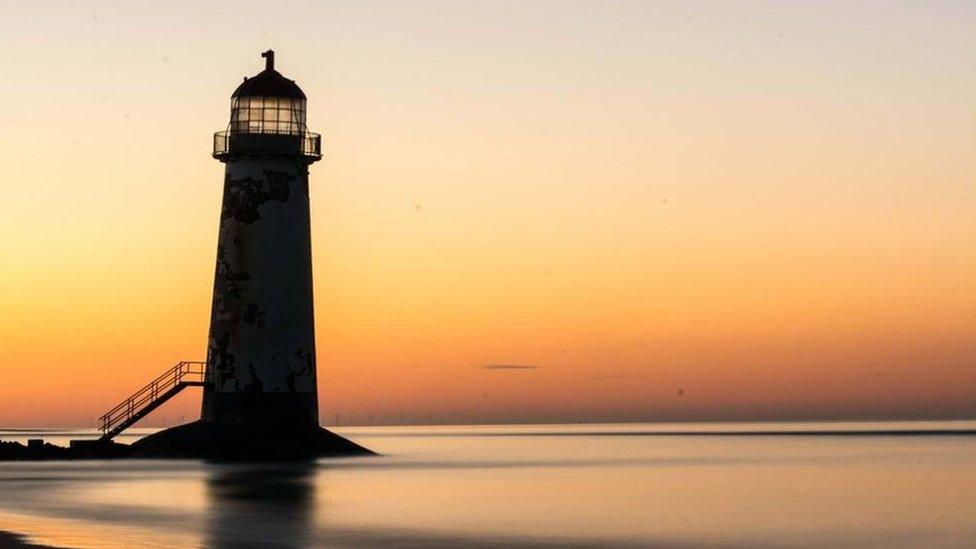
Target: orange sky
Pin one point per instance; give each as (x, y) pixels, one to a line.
(767, 206)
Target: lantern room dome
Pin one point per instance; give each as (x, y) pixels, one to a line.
(269, 83)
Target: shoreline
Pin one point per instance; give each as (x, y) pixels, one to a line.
(14, 540)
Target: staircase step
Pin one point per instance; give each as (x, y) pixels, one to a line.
(142, 402)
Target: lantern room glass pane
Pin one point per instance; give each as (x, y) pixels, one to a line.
(267, 115)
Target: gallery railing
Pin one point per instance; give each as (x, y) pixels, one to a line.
(229, 144)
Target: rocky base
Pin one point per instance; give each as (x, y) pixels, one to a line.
(206, 440)
(79, 449)
(201, 440)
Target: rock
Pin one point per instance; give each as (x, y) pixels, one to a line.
(200, 440)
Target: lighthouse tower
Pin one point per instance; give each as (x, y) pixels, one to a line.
(260, 399)
(261, 352)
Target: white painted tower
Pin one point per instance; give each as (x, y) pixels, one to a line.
(261, 352)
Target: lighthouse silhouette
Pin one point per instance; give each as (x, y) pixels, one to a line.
(261, 352)
(260, 396)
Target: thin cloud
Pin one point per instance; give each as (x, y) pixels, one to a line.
(617, 376)
(507, 367)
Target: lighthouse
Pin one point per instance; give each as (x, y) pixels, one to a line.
(260, 396)
(261, 346)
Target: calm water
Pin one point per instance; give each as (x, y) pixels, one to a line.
(525, 486)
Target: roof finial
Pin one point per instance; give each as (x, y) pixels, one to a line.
(269, 57)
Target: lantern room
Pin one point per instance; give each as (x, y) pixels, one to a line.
(267, 118)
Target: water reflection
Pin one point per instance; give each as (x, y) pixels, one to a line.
(483, 487)
(258, 506)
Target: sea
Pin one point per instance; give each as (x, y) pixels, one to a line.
(681, 485)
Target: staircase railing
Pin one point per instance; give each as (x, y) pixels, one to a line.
(143, 401)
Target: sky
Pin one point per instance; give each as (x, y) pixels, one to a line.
(527, 211)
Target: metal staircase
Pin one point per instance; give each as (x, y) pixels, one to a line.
(150, 397)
